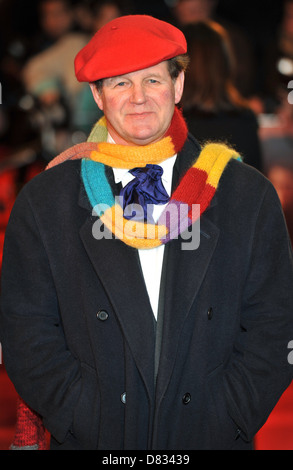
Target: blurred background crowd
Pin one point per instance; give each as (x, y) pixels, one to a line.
(237, 86)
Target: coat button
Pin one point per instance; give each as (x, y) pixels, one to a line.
(210, 313)
(102, 315)
(123, 398)
(186, 399)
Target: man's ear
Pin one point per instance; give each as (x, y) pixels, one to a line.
(179, 86)
(97, 96)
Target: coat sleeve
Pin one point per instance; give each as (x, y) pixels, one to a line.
(42, 369)
(258, 371)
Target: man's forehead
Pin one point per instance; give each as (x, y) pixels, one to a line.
(158, 70)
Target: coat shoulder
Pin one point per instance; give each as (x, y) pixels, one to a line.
(244, 181)
(54, 193)
(57, 180)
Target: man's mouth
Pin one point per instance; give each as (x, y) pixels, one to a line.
(140, 115)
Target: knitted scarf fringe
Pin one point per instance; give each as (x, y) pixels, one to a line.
(30, 433)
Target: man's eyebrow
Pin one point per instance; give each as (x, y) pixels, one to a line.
(118, 78)
(115, 79)
(154, 75)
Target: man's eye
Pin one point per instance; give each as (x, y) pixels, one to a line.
(121, 84)
(152, 80)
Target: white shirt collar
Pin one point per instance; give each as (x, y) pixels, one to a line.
(123, 176)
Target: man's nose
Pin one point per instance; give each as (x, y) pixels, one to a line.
(137, 94)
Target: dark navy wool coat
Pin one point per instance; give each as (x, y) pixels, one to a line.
(79, 338)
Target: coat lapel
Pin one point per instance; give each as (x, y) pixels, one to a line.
(183, 274)
(118, 268)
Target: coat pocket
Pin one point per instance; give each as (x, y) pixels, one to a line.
(85, 427)
(225, 430)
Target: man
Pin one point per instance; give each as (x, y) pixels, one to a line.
(115, 330)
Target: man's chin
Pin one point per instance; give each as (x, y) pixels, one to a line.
(143, 139)
(143, 135)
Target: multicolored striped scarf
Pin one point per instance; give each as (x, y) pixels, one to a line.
(197, 187)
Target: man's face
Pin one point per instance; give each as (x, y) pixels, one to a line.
(139, 106)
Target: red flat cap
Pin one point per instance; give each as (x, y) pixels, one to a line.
(127, 44)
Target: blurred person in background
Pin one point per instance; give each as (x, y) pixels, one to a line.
(49, 76)
(213, 107)
(84, 16)
(277, 150)
(279, 170)
(278, 63)
(91, 15)
(107, 10)
(56, 19)
(188, 12)
(276, 129)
